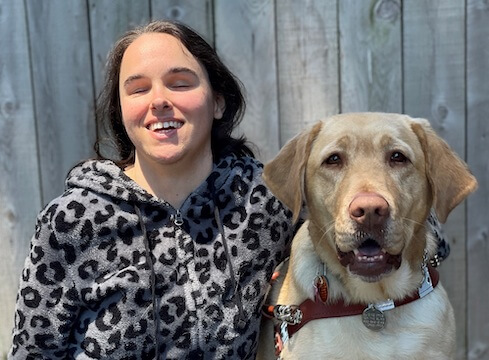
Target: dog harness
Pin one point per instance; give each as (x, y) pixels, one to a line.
(293, 317)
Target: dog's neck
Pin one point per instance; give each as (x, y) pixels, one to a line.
(396, 285)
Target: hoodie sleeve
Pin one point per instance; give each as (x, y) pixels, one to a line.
(47, 300)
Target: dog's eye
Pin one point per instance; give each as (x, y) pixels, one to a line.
(398, 157)
(334, 159)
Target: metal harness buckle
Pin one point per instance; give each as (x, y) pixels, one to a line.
(291, 314)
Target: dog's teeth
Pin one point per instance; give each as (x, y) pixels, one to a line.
(366, 258)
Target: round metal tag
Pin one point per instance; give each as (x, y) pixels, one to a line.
(373, 318)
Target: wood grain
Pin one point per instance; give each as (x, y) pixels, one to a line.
(20, 194)
(63, 89)
(370, 53)
(477, 124)
(307, 52)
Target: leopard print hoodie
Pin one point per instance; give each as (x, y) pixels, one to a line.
(106, 256)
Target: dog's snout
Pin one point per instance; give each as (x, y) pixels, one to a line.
(369, 209)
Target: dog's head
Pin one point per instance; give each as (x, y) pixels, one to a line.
(368, 182)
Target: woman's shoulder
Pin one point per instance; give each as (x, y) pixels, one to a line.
(77, 213)
(247, 167)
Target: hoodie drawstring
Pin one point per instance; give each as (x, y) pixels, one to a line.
(234, 283)
(152, 280)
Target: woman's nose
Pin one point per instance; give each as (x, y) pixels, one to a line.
(160, 101)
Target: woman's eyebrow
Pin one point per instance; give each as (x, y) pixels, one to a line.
(176, 70)
(132, 78)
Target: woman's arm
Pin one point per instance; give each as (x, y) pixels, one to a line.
(47, 300)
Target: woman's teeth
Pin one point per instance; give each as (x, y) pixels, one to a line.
(165, 125)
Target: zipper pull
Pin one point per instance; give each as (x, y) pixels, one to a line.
(177, 218)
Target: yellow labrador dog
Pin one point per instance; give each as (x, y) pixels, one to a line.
(358, 284)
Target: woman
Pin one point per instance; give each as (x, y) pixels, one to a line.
(180, 225)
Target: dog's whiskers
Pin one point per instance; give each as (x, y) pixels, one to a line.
(413, 221)
(327, 228)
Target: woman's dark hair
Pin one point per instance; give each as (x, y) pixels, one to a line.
(222, 81)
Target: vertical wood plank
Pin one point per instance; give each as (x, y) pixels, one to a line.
(245, 39)
(477, 158)
(63, 89)
(307, 51)
(108, 21)
(196, 14)
(20, 196)
(370, 45)
(434, 88)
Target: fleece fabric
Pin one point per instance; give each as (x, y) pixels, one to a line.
(107, 256)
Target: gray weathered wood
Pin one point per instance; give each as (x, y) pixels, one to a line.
(307, 51)
(20, 197)
(370, 51)
(245, 39)
(478, 159)
(434, 88)
(196, 14)
(62, 77)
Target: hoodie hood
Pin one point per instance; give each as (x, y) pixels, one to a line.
(106, 178)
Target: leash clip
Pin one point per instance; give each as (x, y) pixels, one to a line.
(427, 285)
(291, 314)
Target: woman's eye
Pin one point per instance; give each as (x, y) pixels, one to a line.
(136, 90)
(334, 159)
(398, 157)
(181, 85)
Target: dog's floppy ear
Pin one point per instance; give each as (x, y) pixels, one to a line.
(450, 179)
(284, 175)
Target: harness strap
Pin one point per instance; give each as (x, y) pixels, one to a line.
(312, 310)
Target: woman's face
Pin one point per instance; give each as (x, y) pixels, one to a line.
(167, 103)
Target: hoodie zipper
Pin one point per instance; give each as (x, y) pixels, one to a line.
(177, 218)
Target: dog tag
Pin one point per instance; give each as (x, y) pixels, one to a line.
(321, 288)
(373, 318)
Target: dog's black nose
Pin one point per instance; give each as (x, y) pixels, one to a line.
(369, 209)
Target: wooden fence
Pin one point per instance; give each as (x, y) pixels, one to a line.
(299, 61)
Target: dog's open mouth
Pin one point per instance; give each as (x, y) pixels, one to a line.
(369, 260)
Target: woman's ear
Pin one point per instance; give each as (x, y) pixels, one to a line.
(219, 106)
